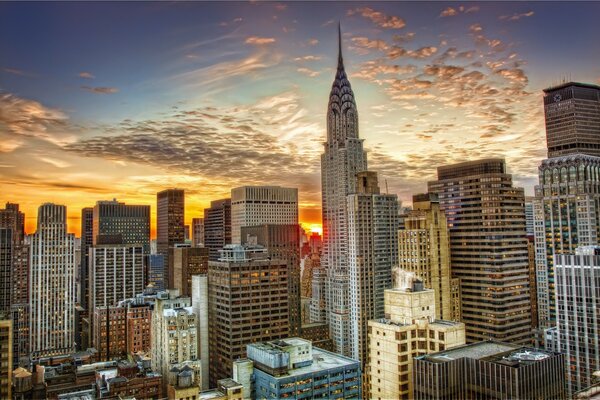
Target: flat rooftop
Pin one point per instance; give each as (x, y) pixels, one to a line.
(229, 383)
(322, 361)
(211, 394)
(490, 351)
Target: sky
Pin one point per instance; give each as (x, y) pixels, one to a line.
(103, 100)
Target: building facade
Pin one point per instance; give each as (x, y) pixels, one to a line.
(52, 284)
(120, 222)
(198, 232)
(258, 205)
(424, 249)
(343, 158)
(217, 227)
(578, 315)
(372, 252)
(490, 370)
(248, 302)
(282, 243)
(184, 262)
(6, 358)
(157, 271)
(170, 219)
(488, 245)
(409, 329)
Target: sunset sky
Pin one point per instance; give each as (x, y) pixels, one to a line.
(120, 100)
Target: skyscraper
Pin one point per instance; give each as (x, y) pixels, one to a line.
(6, 265)
(567, 203)
(114, 221)
(170, 219)
(577, 332)
(257, 205)
(343, 158)
(424, 249)
(486, 220)
(248, 302)
(572, 113)
(52, 284)
(217, 227)
(198, 232)
(6, 355)
(82, 333)
(184, 262)
(282, 243)
(372, 252)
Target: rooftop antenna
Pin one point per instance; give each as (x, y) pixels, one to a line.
(340, 58)
(386, 187)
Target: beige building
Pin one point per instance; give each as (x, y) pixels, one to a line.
(409, 329)
(174, 335)
(424, 248)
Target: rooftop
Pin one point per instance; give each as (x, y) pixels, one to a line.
(490, 351)
(322, 360)
(211, 394)
(229, 383)
(567, 84)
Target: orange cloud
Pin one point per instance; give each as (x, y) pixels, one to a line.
(255, 40)
(380, 19)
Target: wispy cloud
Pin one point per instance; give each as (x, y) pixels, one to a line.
(516, 17)
(259, 40)
(380, 19)
(19, 72)
(86, 75)
(452, 11)
(100, 89)
(308, 72)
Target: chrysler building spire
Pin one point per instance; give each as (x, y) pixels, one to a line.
(342, 115)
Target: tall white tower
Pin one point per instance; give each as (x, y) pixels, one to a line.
(343, 158)
(52, 283)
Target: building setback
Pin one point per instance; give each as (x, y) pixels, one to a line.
(52, 284)
(248, 302)
(372, 252)
(489, 255)
(490, 370)
(217, 227)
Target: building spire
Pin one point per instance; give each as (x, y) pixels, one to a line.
(340, 58)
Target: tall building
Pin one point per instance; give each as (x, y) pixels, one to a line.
(318, 301)
(52, 284)
(343, 158)
(490, 370)
(294, 368)
(577, 332)
(110, 332)
(14, 279)
(572, 112)
(217, 227)
(424, 249)
(282, 243)
(170, 219)
(488, 248)
(198, 232)
(184, 262)
(82, 333)
(116, 273)
(248, 302)
(258, 205)
(200, 307)
(6, 361)
(157, 271)
(410, 328)
(529, 218)
(372, 252)
(114, 221)
(174, 335)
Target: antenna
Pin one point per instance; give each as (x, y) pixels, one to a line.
(386, 187)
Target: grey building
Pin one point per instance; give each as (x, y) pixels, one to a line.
(114, 221)
(577, 331)
(489, 370)
(572, 113)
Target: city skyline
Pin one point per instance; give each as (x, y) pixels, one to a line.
(208, 97)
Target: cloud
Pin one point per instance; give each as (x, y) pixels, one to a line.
(407, 37)
(308, 72)
(19, 72)
(255, 40)
(475, 28)
(516, 17)
(100, 89)
(366, 43)
(380, 19)
(86, 75)
(313, 42)
(451, 11)
(23, 118)
(308, 58)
